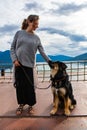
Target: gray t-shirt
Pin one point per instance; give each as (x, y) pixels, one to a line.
(24, 48)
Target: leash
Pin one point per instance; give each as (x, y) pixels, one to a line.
(30, 80)
(45, 87)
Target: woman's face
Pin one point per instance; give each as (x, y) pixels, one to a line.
(34, 25)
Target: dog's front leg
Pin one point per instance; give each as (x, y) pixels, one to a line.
(54, 94)
(55, 108)
(67, 103)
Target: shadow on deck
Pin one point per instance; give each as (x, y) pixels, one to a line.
(41, 119)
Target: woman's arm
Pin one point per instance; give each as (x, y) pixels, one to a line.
(42, 52)
(13, 49)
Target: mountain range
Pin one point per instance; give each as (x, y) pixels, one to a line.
(5, 57)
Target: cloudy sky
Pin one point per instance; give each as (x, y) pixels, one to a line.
(62, 25)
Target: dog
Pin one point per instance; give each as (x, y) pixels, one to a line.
(61, 88)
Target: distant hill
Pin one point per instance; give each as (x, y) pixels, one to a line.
(60, 57)
(80, 57)
(5, 57)
(39, 58)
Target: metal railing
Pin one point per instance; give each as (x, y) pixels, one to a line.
(77, 71)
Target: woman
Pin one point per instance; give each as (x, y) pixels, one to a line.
(23, 50)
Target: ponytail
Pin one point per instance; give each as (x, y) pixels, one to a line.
(24, 24)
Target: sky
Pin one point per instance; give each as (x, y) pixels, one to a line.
(62, 24)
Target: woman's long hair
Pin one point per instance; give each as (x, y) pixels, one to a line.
(30, 18)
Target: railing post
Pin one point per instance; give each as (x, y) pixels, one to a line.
(77, 71)
(84, 70)
(2, 72)
(71, 71)
(43, 72)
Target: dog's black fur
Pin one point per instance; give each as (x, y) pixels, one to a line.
(61, 88)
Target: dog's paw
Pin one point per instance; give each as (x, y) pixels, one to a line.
(53, 112)
(72, 107)
(67, 112)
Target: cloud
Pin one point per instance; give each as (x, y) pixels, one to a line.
(8, 29)
(67, 9)
(73, 37)
(33, 6)
(62, 24)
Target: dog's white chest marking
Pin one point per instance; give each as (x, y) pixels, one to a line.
(62, 91)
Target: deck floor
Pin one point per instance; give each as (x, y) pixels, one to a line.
(41, 119)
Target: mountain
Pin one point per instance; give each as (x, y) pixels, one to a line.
(39, 58)
(80, 57)
(5, 57)
(60, 57)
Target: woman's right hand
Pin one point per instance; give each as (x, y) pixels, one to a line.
(16, 63)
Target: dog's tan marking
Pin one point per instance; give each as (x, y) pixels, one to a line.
(55, 108)
(54, 70)
(67, 103)
(54, 93)
(62, 91)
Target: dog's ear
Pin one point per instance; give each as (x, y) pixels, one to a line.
(64, 66)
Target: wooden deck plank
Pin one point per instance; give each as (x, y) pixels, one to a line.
(8, 105)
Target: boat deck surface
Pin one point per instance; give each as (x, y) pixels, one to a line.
(41, 118)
